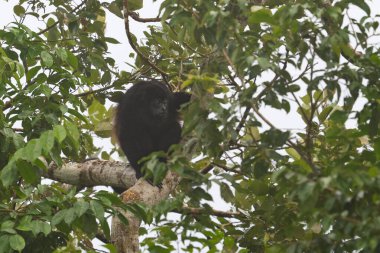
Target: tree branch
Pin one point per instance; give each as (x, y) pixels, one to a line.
(290, 143)
(207, 211)
(132, 44)
(126, 237)
(136, 17)
(93, 173)
(57, 22)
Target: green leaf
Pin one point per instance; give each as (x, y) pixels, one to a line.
(28, 172)
(134, 5)
(122, 218)
(19, 10)
(32, 150)
(97, 209)
(374, 120)
(47, 141)
(97, 60)
(293, 153)
(264, 63)
(70, 216)
(40, 226)
(115, 9)
(53, 35)
(72, 60)
(226, 193)
(88, 224)
(293, 88)
(97, 112)
(105, 227)
(62, 54)
(259, 188)
(32, 72)
(17, 242)
(4, 243)
(58, 218)
(81, 207)
(325, 113)
(73, 134)
(306, 191)
(362, 5)
(111, 40)
(78, 115)
(20, 69)
(47, 59)
(9, 174)
(59, 133)
(261, 15)
(25, 224)
(8, 227)
(110, 247)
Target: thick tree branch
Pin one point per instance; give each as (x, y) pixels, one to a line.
(126, 237)
(93, 173)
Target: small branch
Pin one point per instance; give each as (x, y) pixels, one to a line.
(136, 17)
(271, 83)
(207, 169)
(126, 237)
(7, 105)
(57, 22)
(299, 105)
(132, 44)
(101, 237)
(290, 143)
(206, 211)
(225, 168)
(186, 44)
(243, 119)
(229, 61)
(86, 93)
(332, 28)
(131, 79)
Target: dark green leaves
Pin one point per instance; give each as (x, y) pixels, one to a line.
(260, 15)
(47, 59)
(135, 5)
(19, 10)
(16, 242)
(285, 110)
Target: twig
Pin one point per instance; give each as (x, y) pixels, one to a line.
(290, 143)
(132, 44)
(243, 119)
(57, 22)
(136, 17)
(204, 211)
(86, 93)
(225, 168)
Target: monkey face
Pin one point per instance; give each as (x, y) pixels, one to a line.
(159, 110)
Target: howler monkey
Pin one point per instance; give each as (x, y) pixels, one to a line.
(147, 120)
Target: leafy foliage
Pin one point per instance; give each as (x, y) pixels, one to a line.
(311, 188)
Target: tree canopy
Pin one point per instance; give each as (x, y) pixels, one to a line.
(249, 183)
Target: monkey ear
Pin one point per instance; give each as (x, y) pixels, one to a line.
(181, 98)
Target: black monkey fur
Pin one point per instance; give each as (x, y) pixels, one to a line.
(147, 120)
